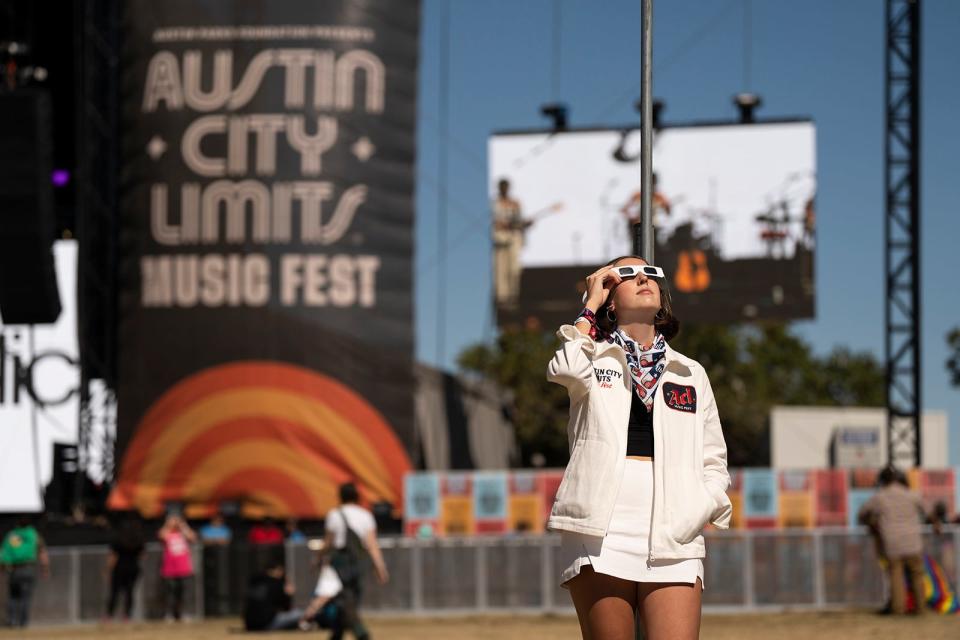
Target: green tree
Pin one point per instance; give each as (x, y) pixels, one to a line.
(752, 368)
(517, 361)
(953, 363)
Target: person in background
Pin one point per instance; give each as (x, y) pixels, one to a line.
(177, 565)
(216, 533)
(939, 517)
(269, 600)
(22, 551)
(896, 513)
(293, 531)
(265, 532)
(350, 538)
(123, 564)
(326, 608)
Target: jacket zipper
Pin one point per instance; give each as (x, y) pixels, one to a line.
(656, 485)
(657, 461)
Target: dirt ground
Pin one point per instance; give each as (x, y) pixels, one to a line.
(786, 626)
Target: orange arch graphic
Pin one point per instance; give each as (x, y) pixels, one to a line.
(275, 434)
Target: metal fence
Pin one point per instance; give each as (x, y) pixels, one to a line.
(745, 571)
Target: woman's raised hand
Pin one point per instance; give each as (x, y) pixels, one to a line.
(599, 285)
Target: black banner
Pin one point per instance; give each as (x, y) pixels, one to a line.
(266, 336)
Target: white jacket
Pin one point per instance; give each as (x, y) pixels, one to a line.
(690, 455)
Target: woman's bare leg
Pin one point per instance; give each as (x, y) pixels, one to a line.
(670, 611)
(605, 605)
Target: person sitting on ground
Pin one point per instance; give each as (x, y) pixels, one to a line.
(326, 609)
(269, 600)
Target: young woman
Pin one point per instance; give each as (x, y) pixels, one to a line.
(648, 463)
(177, 563)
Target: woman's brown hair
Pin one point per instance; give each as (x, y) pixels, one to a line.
(665, 323)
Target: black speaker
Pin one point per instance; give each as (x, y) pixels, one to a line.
(28, 279)
(58, 495)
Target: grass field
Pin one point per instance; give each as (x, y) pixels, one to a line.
(788, 626)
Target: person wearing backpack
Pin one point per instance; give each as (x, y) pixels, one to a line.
(351, 543)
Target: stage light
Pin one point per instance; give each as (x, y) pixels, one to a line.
(746, 104)
(556, 111)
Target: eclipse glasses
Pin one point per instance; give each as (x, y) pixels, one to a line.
(628, 271)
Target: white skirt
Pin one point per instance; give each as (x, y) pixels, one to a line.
(624, 551)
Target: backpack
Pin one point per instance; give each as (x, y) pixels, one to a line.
(350, 560)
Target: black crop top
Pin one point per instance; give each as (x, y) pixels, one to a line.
(640, 429)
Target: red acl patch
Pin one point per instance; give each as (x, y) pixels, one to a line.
(680, 397)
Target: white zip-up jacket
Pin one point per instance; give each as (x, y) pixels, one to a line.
(690, 455)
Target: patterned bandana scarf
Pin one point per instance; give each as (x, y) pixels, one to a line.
(645, 366)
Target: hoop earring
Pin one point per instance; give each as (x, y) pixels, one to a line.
(612, 318)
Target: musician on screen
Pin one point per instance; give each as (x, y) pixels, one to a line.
(509, 229)
(631, 210)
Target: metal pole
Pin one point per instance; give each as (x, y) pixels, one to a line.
(643, 232)
(442, 196)
(915, 22)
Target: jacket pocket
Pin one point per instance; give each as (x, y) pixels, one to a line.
(691, 508)
(586, 479)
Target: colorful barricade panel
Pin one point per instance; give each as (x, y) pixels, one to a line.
(796, 499)
(760, 498)
(456, 505)
(936, 487)
(496, 502)
(864, 478)
(830, 488)
(525, 510)
(855, 500)
(490, 502)
(421, 504)
(548, 484)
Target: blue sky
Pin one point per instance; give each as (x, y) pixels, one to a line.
(819, 58)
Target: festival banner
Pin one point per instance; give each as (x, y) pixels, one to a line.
(490, 501)
(760, 498)
(266, 316)
(456, 505)
(864, 478)
(937, 487)
(549, 484)
(830, 487)
(796, 499)
(525, 511)
(856, 499)
(421, 504)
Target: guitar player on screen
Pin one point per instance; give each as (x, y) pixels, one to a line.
(509, 230)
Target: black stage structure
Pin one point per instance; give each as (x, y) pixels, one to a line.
(902, 232)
